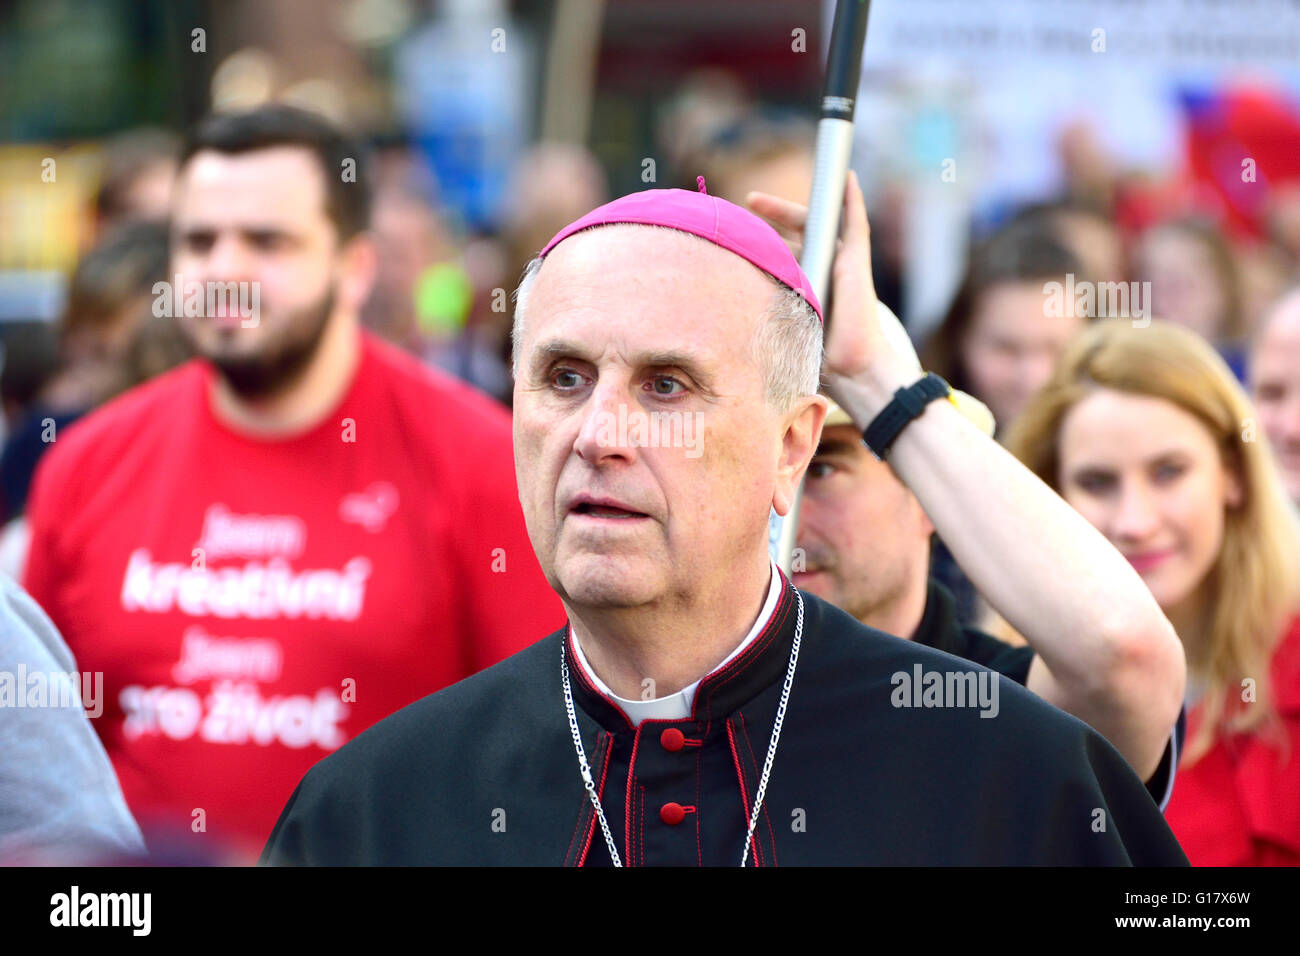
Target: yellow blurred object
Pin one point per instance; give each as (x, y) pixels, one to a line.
(46, 193)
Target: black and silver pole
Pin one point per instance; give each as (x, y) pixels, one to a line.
(830, 172)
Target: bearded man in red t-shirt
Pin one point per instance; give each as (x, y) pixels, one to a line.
(275, 545)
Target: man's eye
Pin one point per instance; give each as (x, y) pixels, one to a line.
(1167, 473)
(269, 241)
(664, 385)
(820, 469)
(566, 378)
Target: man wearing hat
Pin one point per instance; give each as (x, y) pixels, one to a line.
(698, 709)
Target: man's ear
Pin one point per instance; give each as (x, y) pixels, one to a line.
(358, 264)
(803, 431)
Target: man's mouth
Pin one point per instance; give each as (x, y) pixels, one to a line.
(224, 318)
(604, 509)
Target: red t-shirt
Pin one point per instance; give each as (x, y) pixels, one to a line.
(1239, 804)
(253, 604)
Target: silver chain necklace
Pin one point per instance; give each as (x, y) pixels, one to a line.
(585, 769)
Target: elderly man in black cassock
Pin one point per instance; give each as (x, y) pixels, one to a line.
(697, 709)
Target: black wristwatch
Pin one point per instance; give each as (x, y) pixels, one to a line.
(907, 404)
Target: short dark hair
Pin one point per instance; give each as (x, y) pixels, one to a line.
(346, 203)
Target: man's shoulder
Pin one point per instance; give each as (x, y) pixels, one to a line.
(100, 438)
(144, 404)
(507, 694)
(1007, 776)
(881, 672)
(943, 713)
(415, 786)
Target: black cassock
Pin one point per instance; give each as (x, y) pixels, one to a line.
(485, 772)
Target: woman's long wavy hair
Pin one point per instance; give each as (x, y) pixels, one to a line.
(1253, 587)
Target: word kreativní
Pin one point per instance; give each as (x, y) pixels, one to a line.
(257, 590)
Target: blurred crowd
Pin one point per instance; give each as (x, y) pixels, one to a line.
(1114, 243)
(1136, 337)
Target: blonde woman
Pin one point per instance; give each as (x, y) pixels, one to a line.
(1145, 431)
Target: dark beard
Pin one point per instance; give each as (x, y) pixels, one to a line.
(275, 370)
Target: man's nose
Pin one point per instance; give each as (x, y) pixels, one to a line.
(607, 430)
(228, 259)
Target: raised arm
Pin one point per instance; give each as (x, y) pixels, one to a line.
(1106, 652)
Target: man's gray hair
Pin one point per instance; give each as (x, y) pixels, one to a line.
(788, 343)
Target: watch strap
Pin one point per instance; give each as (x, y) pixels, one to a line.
(908, 403)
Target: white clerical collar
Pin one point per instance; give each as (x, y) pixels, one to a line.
(678, 706)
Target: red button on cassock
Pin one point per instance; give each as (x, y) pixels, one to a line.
(672, 814)
(672, 739)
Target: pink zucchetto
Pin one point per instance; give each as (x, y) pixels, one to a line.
(720, 222)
